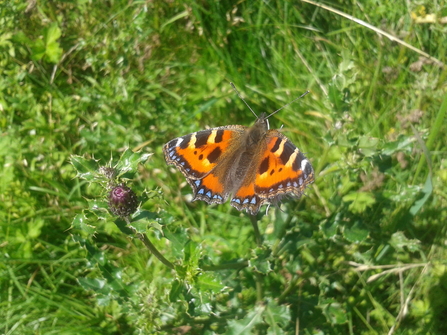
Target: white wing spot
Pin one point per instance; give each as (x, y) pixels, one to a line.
(179, 141)
(304, 163)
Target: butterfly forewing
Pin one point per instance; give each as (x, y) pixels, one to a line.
(197, 156)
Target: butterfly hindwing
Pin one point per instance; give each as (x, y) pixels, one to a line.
(280, 169)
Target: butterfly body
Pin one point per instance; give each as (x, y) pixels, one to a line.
(255, 165)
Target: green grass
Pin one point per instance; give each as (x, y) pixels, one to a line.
(362, 253)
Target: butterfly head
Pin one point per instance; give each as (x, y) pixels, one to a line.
(262, 121)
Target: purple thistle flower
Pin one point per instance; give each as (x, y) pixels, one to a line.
(122, 201)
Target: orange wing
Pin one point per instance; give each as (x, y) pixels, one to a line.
(196, 155)
(281, 169)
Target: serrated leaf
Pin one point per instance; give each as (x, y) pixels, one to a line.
(178, 240)
(98, 207)
(81, 222)
(122, 225)
(104, 300)
(129, 160)
(260, 260)
(405, 193)
(334, 313)
(18, 37)
(244, 326)
(86, 168)
(208, 282)
(52, 33)
(356, 234)
(35, 228)
(329, 227)
(399, 241)
(94, 284)
(142, 219)
(145, 215)
(192, 252)
(140, 226)
(176, 291)
(360, 201)
(277, 317)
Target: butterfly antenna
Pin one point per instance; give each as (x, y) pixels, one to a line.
(302, 95)
(240, 96)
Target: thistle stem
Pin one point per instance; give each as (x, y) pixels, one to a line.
(148, 244)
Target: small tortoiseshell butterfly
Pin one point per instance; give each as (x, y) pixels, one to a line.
(255, 165)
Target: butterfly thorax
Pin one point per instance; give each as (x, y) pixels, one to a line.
(244, 160)
(257, 132)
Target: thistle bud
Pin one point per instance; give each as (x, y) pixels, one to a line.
(108, 172)
(122, 201)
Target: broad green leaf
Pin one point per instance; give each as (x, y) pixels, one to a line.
(53, 52)
(18, 37)
(140, 226)
(98, 206)
(34, 228)
(192, 252)
(346, 185)
(141, 219)
(176, 291)
(329, 226)
(356, 234)
(402, 142)
(368, 145)
(122, 225)
(38, 49)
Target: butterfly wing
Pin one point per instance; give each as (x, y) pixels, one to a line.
(280, 169)
(198, 154)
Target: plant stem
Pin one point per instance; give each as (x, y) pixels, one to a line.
(258, 277)
(148, 244)
(258, 236)
(154, 250)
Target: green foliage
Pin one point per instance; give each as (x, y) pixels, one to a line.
(362, 253)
